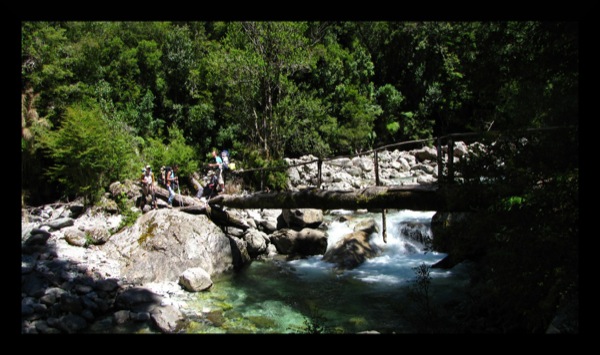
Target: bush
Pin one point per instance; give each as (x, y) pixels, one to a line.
(89, 153)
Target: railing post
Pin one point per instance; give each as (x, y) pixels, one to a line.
(376, 163)
(319, 165)
(440, 161)
(451, 160)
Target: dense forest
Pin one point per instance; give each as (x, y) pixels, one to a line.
(102, 99)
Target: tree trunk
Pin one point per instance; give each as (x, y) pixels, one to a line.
(178, 200)
(377, 197)
(217, 215)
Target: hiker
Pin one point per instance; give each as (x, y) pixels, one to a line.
(210, 189)
(172, 183)
(197, 184)
(148, 185)
(219, 165)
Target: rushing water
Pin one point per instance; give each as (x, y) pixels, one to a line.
(279, 296)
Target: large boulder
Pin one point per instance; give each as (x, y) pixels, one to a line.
(162, 244)
(298, 219)
(168, 319)
(239, 252)
(425, 153)
(256, 242)
(195, 279)
(305, 242)
(354, 248)
(417, 232)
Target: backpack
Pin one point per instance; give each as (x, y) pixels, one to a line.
(162, 178)
(225, 158)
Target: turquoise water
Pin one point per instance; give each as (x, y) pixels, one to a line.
(280, 296)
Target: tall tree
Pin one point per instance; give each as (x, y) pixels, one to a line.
(254, 68)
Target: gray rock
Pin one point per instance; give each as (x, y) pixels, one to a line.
(29, 328)
(306, 242)
(83, 289)
(98, 235)
(60, 223)
(352, 171)
(52, 294)
(251, 222)
(417, 232)
(239, 252)
(164, 243)
(89, 304)
(76, 210)
(168, 319)
(26, 310)
(140, 316)
(354, 248)
(107, 285)
(40, 308)
(137, 298)
(460, 149)
(235, 232)
(88, 315)
(271, 250)
(53, 322)
(256, 242)
(27, 263)
(75, 237)
(268, 225)
(70, 303)
(121, 316)
(298, 219)
(33, 284)
(368, 226)
(195, 279)
(425, 153)
(43, 327)
(37, 239)
(71, 323)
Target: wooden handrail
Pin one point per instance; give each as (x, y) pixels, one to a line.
(451, 137)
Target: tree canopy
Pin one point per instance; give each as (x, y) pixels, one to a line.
(100, 100)
(274, 89)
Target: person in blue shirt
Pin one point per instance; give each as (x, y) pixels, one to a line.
(172, 183)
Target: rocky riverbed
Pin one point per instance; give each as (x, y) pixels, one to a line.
(82, 271)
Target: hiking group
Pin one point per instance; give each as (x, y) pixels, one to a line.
(216, 181)
(169, 179)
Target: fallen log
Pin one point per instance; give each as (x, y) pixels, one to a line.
(217, 215)
(423, 198)
(178, 200)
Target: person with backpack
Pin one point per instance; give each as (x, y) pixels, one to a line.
(172, 182)
(219, 165)
(148, 185)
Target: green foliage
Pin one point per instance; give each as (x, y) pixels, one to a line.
(89, 153)
(315, 323)
(526, 237)
(175, 151)
(89, 240)
(420, 289)
(273, 178)
(294, 88)
(389, 122)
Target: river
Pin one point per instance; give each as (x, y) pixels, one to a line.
(308, 295)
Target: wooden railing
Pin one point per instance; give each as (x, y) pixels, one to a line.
(442, 159)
